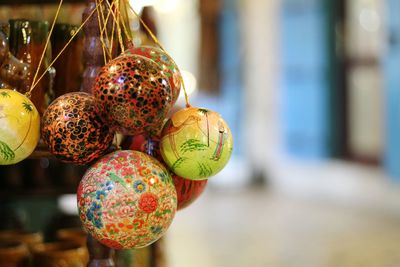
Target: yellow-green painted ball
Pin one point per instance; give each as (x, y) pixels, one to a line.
(19, 127)
(196, 143)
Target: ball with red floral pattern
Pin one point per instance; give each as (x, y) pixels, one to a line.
(165, 61)
(74, 130)
(135, 93)
(127, 200)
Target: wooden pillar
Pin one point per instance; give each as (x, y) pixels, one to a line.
(93, 51)
(100, 255)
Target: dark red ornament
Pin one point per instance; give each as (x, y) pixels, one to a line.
(73, 128)
(188, 190)
(135, 93)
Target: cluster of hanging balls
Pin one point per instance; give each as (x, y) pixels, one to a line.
(126, 198)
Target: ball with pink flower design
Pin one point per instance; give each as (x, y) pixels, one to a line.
(127, 199)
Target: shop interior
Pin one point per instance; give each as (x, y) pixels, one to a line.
(310, 92)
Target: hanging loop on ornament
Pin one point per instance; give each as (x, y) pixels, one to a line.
(155, 39)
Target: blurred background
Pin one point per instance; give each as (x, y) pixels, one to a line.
(311, 91)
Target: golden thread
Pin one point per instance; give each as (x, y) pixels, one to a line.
(112, 32)
(118, 15)
(101, 35)
(124, 27)
(155, 39)
(105, 29)
(66, 45)
(45, 48)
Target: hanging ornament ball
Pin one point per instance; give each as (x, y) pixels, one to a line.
(145, 144)
(19, 127)
(196, 143)
(127, 200)
(187, 190)
(135, 93)
(165, 61)
(74, 130)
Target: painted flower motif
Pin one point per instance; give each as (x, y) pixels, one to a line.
(87, 189)
(143, 171)
(112, 228)
(100, 194)
(139, 186)
(89, 214)
(121, 159)
(152, 180)
(108, 186)
(148, 202)
(128, 179)
(138, 223)
(163, 176)
(98, 223)
(127, 172)
(125, 225)
(127, 210)
(117, 166)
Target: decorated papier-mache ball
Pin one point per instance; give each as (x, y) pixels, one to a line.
(145, 144)
(127, 200)
(135, 93)
(165, 61)
(196, 143)
(73, 128)
(187, 190)
(19, 127)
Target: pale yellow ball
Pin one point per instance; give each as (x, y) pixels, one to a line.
(19, 127)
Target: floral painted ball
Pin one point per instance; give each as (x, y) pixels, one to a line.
(73, 128)
(165, 61)
(187, 190)
(19, 127)
(135, 93)
(196, 143)
(127, 200)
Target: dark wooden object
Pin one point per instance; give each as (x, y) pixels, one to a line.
(93, 51)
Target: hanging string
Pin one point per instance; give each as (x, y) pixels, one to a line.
(105, 24)
(65, 46)
(126, 28)
(155, 39)
(118, 15)
(28, 94)
(101, 34)
(112, 32)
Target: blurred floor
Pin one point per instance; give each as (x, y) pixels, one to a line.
(327, 215)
